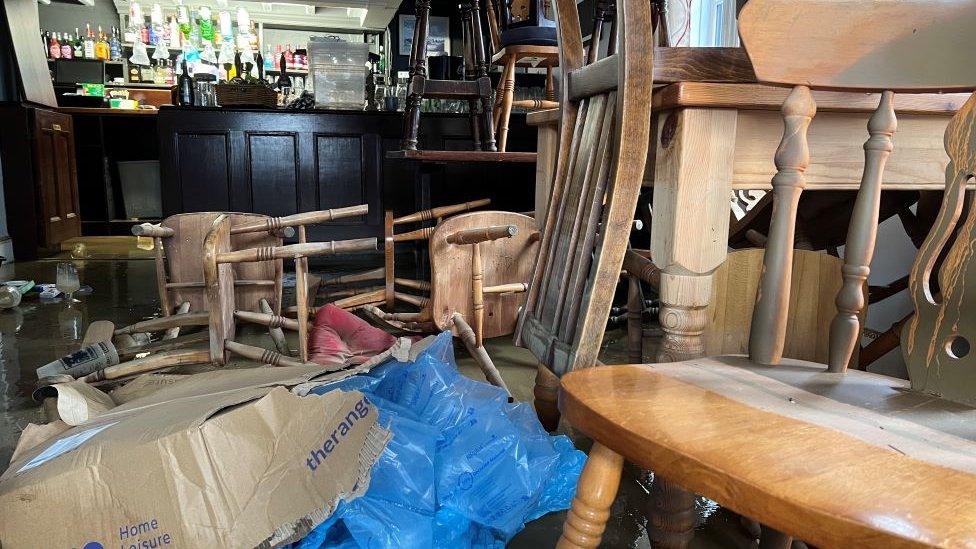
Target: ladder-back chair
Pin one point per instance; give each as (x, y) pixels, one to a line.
(603, 143)
(835, 458)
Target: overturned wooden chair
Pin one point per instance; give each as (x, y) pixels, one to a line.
(836, 458)
(480, 264)
(219, 257)
(394, 289)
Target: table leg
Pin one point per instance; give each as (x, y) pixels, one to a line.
(689, 240)
(690, 228)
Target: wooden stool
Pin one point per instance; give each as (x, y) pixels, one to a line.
(475, 88)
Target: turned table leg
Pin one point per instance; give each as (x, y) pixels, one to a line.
(587, 518)
(689, 240)
(670, 515)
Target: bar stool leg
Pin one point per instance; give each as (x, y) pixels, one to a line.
(418, 76)
(509, 91)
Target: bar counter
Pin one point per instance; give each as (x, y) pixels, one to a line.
(280, 162)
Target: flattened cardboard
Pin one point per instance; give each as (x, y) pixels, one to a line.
(220, 459)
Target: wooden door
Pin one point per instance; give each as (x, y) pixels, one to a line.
(56, 179)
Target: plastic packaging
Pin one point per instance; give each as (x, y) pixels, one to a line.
(465, 468)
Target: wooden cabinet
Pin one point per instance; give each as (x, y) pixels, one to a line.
(56, 181)
(40, 178)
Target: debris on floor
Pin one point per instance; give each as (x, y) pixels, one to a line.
(465, 468)
(228, 458)
(398, 451)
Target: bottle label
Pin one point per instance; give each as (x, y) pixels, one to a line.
(82, 362)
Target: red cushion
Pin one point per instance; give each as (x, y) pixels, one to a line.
(340, 337)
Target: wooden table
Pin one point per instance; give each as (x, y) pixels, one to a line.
(547, 145)
(713, 138)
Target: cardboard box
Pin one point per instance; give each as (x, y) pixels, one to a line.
(221, 459)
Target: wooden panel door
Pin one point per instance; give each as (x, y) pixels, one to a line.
(56, 177)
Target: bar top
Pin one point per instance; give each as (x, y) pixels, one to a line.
(104, 110)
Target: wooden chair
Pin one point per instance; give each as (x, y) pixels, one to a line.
(475, 88)
(493, 250)
(527, 44)
(178, 240)
(496, 252)
(936, 341)
(834, 458)
(603, 144)
(388, 294)
(221, 289)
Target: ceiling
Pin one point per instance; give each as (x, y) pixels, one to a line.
(298, 14)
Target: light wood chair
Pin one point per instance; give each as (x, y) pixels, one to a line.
(603, 144)
(936, 341)
(493, 250)
(390, 292)
(509, 55)
(834, 458)
(178, 242)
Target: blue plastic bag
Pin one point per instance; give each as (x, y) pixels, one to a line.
(465, 468)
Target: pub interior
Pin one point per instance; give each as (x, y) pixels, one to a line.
(487, 273)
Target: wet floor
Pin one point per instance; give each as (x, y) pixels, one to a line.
(124, 291)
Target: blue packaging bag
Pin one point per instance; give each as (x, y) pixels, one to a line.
(465, 468)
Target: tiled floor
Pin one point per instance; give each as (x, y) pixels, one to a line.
(124, 291)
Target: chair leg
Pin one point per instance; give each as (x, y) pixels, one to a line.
(418, 75)
(671, 515)
(500, 94)
(546, 392)
(587, 518)
(635, 332)
(550, 86)
(506, 108)
(496, 109)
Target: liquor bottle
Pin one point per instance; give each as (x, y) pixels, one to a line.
(101, 46)
(289, 57)
(54, 49)
(67, 50)
(205, 21)
(79, 47)
(144, 34)
(186, 87)
(175, 34)
(89, 45)
(115, 46)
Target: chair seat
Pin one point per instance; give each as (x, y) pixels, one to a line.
(528, 56)
(525, 36)
(851, 459)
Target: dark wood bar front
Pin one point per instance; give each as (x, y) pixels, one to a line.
(283, 162)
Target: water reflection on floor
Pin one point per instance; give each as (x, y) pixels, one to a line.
(124, 291)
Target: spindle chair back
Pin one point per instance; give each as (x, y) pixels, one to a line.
(834, 457)
(603, 143)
